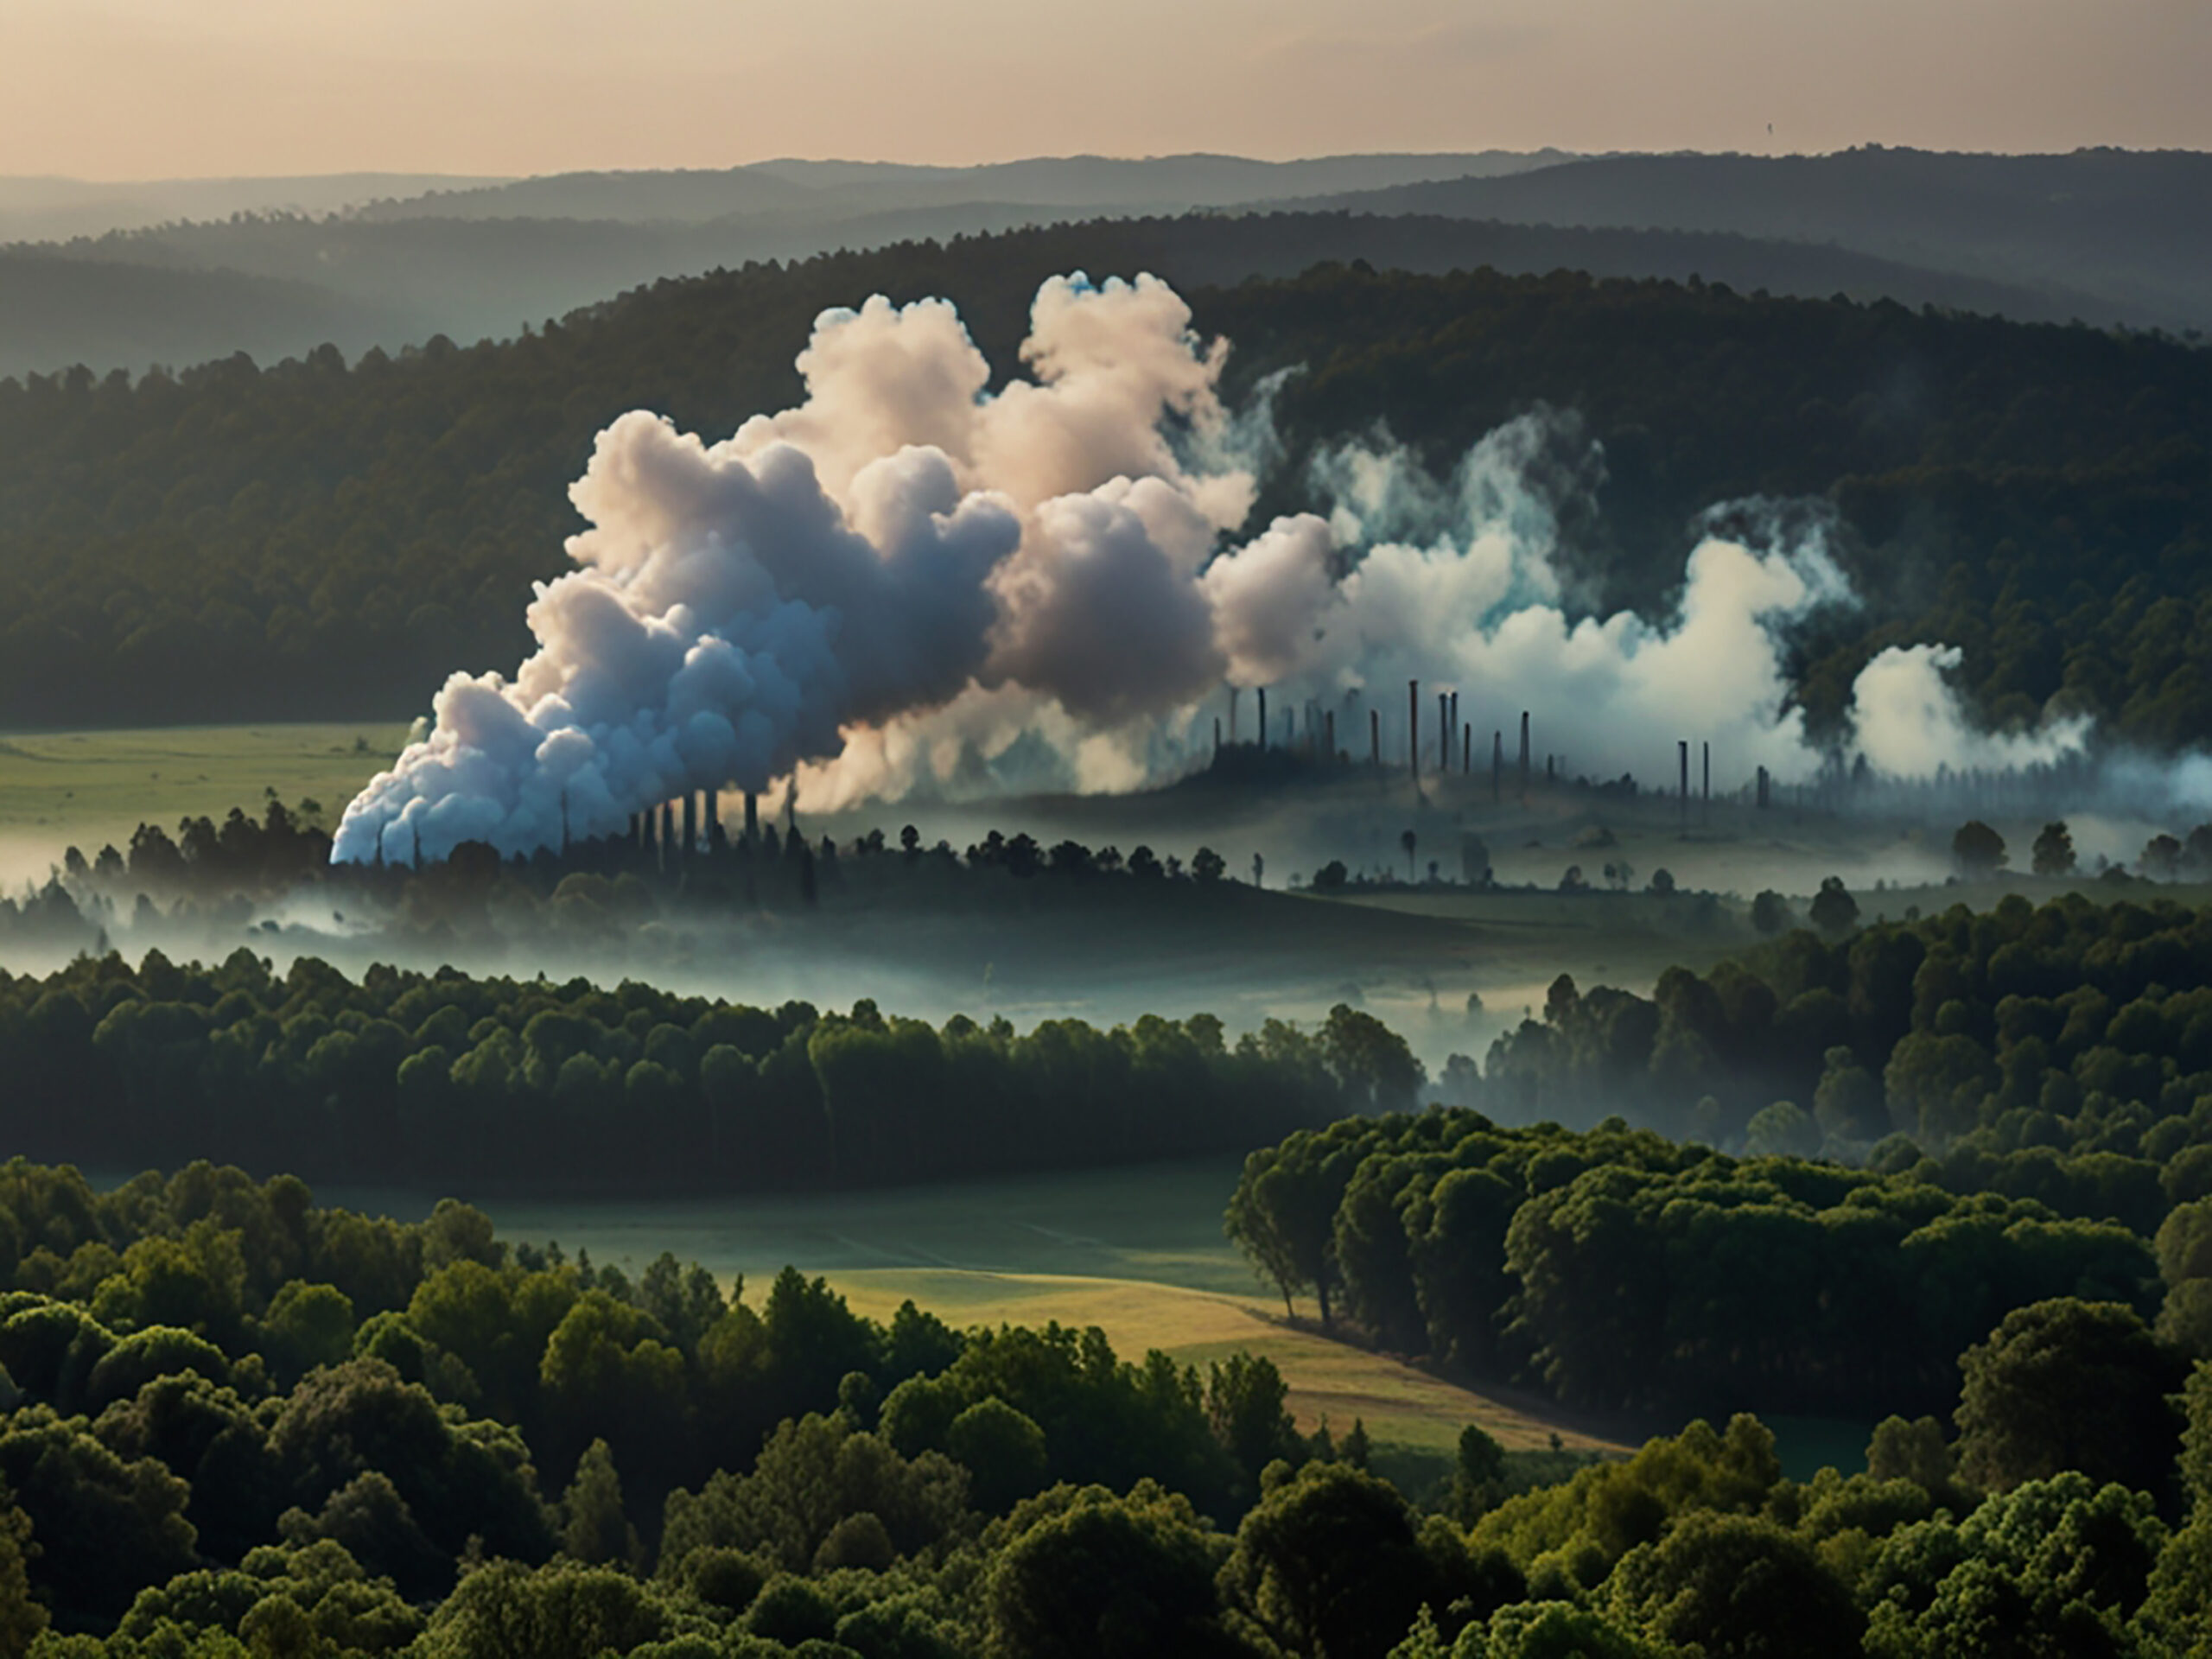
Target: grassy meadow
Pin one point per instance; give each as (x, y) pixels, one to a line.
(92, 787)
(1137, 1252)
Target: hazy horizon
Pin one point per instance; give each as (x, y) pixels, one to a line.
(245, 88)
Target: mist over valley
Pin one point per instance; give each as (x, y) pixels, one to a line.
(1046, 896)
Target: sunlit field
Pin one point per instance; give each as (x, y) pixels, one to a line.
(88, 788)
(1138, 1253)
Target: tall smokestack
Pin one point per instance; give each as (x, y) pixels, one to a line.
(1496, 766)
(690, 841)
(1443, 732)
(752, 818)
(1705, 797)
(1375, 736)
(1683, 746)
(1762, 788)
(1524, 754)
(1467, 750)
(1263, 718)
(667, 832)
(1452, 725)
(714, 803)
(1413, 728)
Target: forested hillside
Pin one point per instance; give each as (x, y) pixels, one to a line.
(337, 538)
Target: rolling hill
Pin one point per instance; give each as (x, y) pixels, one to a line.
(2133, 229)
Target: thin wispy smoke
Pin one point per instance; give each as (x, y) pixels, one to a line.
(909, 582)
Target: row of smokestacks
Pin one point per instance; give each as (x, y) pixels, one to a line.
(688, 825)
(1321, 740)
(1453, 734)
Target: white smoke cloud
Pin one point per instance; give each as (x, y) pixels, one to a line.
(1910, 724)
(910, 582)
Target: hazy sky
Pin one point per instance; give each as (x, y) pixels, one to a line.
(148, 88)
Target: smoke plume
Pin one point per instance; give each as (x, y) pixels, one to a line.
(911, 582)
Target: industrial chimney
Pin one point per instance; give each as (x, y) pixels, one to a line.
(1413, 728)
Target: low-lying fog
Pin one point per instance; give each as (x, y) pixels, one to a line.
(1109, 949)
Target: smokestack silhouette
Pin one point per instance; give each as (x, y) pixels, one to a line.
(1497, 766)
(1452, 725)
(1524, 754)
(1683, 746)
(667, 832)
(1263, 717)
(1413, 728)
(691, 825)
(1762, 788)
(752, 818)
(1705, 799)
(1375, 736)
(1216, 737)
(713, 815)
(1443, 733)
(1467, 751)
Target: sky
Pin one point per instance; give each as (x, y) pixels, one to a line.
(132, 89)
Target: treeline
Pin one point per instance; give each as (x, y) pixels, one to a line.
(193, 545)
(594, 893)
(2069, 1028)
(238, 1424)
(437, 1078)
(1620, 1270)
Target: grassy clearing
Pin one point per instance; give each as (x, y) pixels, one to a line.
(91, 787)
(1328, 1380)
(1137, 1252)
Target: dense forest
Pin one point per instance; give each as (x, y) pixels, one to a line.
(339, 538)
(2070, 1027)
(434, 1078)
(1625, 1271)
(240, 1424)
(2010, 1106)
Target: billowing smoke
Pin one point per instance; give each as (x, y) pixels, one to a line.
(911, 582)
(1910, 724)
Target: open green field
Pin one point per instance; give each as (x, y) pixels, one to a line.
(91, 788)
(1137, 1252)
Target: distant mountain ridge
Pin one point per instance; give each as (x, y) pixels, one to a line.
(842, 188)
(2134, 227)
(2107, 237)
(370, 283)
(57, 209)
